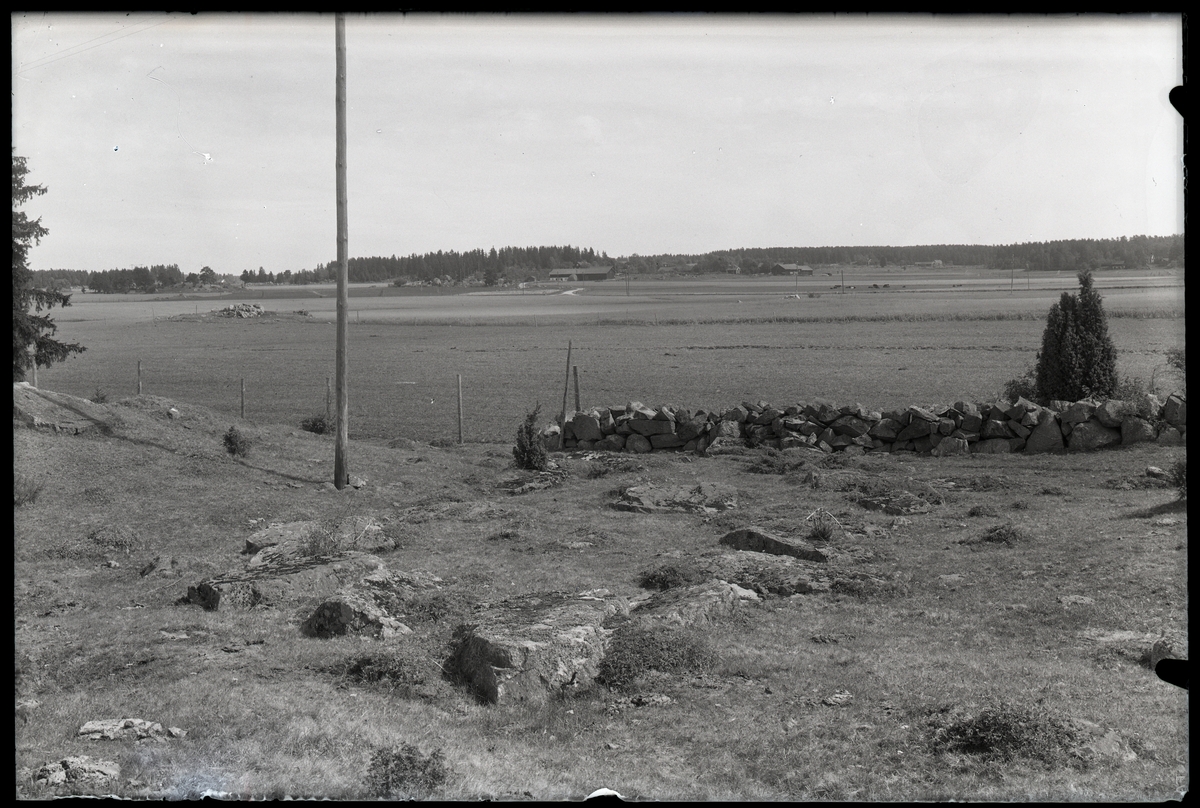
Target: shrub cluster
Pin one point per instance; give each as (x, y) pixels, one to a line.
(236, 443)
(1003, 732)
(1178, 477)
(317, 424)
(635, 650)
(529, 452)
(1005, 534)
(402, 771)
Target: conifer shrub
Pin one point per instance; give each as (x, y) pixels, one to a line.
(1077, 359)
(236, 443)
(529, 452)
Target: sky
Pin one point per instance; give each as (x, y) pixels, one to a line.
(209, 139)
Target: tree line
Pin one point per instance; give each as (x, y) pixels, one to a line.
(1070, 255)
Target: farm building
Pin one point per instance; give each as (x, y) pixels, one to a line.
(582, 274)
(791, 269)
(928, 264)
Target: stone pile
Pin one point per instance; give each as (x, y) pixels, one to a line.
(960, 428)
(241, 310)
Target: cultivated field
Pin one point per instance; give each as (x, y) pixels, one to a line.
(708, 342)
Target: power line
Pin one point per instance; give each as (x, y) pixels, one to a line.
(75, 50)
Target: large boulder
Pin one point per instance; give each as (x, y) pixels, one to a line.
(59, 412)
(951, 446)
(1174, 411)
(761, 541)
(1046, 436)
(702, 498)
(917, 428)
(611, 443)
(639, 411)
(528, 647)
(1136, 430)
(887, 429)
(1091, 435)
(851, 426)
(637, 444)
(1169, 436)
(1149, 406)
(77, 769)
(585, 426)
(993, 428)
(667, 441)
(1078, 412)
(1113, 411)
(768, 574)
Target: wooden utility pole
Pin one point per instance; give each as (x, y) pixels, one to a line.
(341, 474)
(562, 416)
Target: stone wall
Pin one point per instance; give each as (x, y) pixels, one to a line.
(960, 428)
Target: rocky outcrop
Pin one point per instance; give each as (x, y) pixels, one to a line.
(758, 540)
(127, 729)
(703, 498)
(525, 648)
(45, 409)
(78, 769)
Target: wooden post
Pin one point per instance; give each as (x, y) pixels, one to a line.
(243, 407)
(460, 432)
(328, 402)
(843, 281)
(341, 473)
(139, 377)
(575, 370)
(562, 417)
(33, 353)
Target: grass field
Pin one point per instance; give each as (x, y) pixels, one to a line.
(965, 632)
(678, 342)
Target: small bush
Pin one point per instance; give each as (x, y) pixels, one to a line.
(317, 424)
(99, 396)
(635, 650)
(1023, 387)
(669, 576)
(236, 443)
(982, 510)
(1003, 732)
(26, 489)
(1004, 534)
(597, 471)
(1128, 388)
(1178, 477)
(115, 538)
(822, 531)
(402, 771)
(529, 452)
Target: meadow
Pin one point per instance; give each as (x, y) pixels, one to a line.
(707, 342)
(995, 646)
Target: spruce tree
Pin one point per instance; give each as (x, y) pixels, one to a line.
(32, 331)
(1077, 359)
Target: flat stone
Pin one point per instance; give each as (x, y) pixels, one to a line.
(666, 441)
(1169, 436)
(692, 605)
(77, 769)
(900, 504)
(611, 443)
(646, 428)
(992, 446)
(289, 580)
(760, 541)
(1078, 412)
(112, 729)
(951, 446)
(586, 427)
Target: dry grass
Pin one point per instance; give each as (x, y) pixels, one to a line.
(736, 711)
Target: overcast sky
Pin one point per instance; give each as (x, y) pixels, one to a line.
(209, 139)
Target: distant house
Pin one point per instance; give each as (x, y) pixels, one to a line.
(791, 269)
(733, 269)
(928, 264)
(582, 274)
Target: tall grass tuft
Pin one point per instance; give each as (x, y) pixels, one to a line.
(529, 452)
(1178, 478)
(402, 771)
(636, 650)
(26, 489)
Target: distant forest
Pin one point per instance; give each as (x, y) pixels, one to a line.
(521, 263)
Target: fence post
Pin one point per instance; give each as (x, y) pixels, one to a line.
(562, 417)
(460, 431)
(328, 411)
(139, 377)
(575, 370)
(243, 407)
